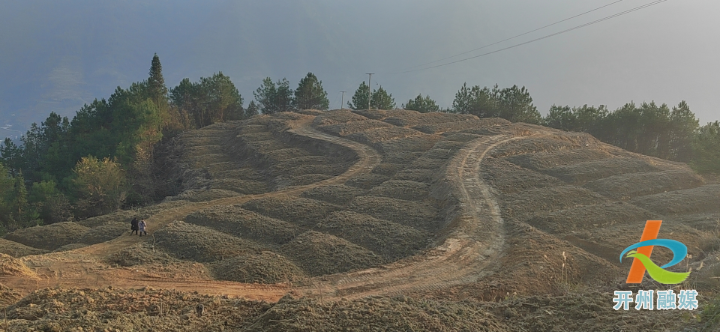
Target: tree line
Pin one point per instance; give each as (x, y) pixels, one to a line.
(102, 159)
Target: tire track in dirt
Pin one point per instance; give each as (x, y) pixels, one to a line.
(86, 266)
(467, 254)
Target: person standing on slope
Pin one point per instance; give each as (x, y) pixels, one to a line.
(142, 226)
(134, 226)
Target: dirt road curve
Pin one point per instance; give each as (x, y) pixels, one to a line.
(465, 255)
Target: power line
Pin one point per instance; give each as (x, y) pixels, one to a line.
(540, 38)
(520, 35)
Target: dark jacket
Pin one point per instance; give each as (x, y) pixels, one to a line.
(134, 224)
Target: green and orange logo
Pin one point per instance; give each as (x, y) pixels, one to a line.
(642, 250)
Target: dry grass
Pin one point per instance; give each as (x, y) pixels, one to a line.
(402, 189)
(533, 201)
(466, 124)
(545, 160)
(387, 169)
(390, 240)
(201, 244)
(11, 266)
(301, 180)
(372, 114)
(593, 170)
(696, 200)
(410, 213)
(373, 136)
(264, 267)
(49, 237)
(105, 232)
(418, 175)
(239, 222)
(221, 186)
(335, 194)
(301, 211)
(344, 129)
(534, 145)
(401, 158)
(425, 162)
(202, 195)
(18, 250)
(420, 143)
(318, 254)
(366, 181)
(337, 117)
(509, 178)
(585, 217)
(638, 184)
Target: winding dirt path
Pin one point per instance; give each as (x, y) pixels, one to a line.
(84, 267)
(466, 254)
(472, 244)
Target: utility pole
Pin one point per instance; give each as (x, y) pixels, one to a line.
(342, 99)
(369, 89)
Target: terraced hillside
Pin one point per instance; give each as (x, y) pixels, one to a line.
(345, 205)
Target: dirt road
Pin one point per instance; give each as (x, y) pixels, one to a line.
(467, 252)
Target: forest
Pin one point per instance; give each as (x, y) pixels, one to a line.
(103, 158)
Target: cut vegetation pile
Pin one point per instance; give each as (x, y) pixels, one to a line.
(318, 254)
(48, 237)
(236, 221)
(388, 239)
(201, 244)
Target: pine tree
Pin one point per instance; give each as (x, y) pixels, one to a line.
(156, 83)
(251, 110)
(360, 98)
(422, 105)
(382, 100)
(310, 94)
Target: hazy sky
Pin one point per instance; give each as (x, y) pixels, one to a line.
(58, 55)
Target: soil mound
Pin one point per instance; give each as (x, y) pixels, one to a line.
(13, 267)
(377, 314)
(696, 200)
(388, 239)
(318, 254)
(239, 222)
(509, 178)
(548, 199)
(201, 244)
(402, 189)
(639, 184)
(304, 212)
(48, 237)
(336, 194)
(105, 232)
(410, 213)
(265, 267)
(584, 217)
(593, 170)
(18, 250)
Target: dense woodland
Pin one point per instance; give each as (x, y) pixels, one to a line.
(103, 158)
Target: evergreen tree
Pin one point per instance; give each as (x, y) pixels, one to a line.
(382, 100)
(706, 148)
(156, 83)
(265, 96)
(422, 105)
(310, 94)
(251, 110)
(274, 97)
(359, 100)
